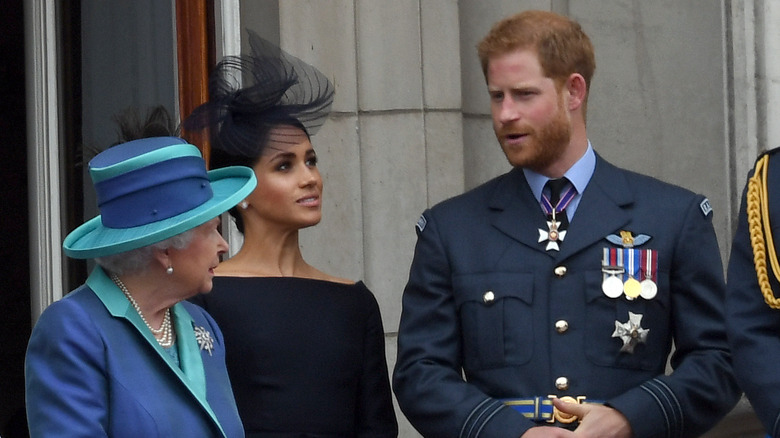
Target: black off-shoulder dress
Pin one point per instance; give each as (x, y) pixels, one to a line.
(306, 358)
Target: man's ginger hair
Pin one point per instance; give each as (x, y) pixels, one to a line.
(560, 43)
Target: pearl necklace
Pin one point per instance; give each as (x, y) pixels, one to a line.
(164, 335)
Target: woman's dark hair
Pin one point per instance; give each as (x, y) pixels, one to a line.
(251, 94)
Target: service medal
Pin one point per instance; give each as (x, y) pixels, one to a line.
(649, 267)
(632, 288)
(612, 286)
(612, 269)
(648, 289)
(630, 264)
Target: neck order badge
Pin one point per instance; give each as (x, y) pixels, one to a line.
(555, 208)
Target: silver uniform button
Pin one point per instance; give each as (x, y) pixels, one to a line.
(561, 326)
(560, 271)
(562, 383)
(488, 297)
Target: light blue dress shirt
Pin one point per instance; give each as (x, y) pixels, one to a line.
(579, 175)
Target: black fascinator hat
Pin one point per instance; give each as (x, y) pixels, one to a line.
(251, 94)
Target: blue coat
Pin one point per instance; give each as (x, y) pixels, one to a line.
(754, 327)
(94, 369)
(484, 296)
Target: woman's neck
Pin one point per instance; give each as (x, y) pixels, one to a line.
(149, 295)
(269, 251)
(267, 254)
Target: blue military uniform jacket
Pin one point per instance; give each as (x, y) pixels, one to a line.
(754, 327)
(489, 313)
(93, 369)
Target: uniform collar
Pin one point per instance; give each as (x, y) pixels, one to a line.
(579, 174)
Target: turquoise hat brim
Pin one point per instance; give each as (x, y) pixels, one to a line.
(229, 184)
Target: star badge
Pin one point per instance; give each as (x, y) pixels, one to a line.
(205, 341)
(552, 236)
(630, 332)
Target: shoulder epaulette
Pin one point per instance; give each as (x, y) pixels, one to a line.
(761, 240)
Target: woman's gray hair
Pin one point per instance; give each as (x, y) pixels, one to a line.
(138, 260)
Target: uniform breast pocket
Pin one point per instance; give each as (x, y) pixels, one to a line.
(603, 343)
(495, 312)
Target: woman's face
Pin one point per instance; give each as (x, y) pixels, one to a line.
(289, 185)
(193, 266)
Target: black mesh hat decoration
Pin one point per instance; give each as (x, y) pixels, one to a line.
(250, 94)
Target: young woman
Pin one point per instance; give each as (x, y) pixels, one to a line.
(305, 349)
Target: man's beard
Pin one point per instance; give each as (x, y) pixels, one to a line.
(543, 147)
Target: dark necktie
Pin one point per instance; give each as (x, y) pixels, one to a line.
(557, 186)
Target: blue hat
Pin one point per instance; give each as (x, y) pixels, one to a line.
(151, 189)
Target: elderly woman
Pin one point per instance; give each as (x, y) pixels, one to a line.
(123, 355)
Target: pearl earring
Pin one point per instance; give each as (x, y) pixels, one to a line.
(244, 205)
(169, 271)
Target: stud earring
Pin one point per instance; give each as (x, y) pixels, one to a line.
(244, 205)
(169, 271)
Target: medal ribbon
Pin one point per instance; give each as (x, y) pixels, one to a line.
(611, 258)
(565, 200)
(649, 264)
(612, 262)
(630, 262)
